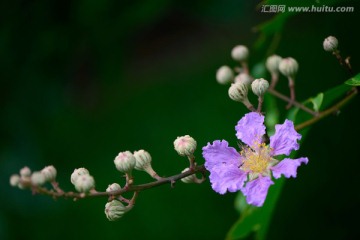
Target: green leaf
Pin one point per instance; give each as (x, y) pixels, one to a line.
(257, 220)
(355, 81)
(317, 101)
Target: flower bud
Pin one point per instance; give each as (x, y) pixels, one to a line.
(272, 64)
(37, 179)
(189, 179)
(224, 75)
(113, 187)
(238, 92)
(330, 44)
(288, 67)
(259, 87)
(125, 162)
(240, 53)
(77, 173)
(49, 173)
(114, 210)
(244, 78)
(84, 183)
(143, 160)
(14, 180)
(25, 172)
(185, 145)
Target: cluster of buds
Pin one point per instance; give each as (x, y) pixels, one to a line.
(27, 179)
(82, 180)
(125, 162)
(241, 83)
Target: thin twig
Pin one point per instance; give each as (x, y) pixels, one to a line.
(328, 111)
(295, 103)
(274, 80)
(343, 63)
(292, 92)
(260, 103)
(128, 188)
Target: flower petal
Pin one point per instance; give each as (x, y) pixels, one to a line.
(227, 178)
(250, 128)
(285, 139)
(219, 153)
(256, 190)
(288, 167)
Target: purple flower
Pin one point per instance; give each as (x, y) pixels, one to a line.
(250, 169)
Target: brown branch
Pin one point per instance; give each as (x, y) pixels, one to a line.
(328, 111)
(295, 103)
(131, 188)
(345, 63)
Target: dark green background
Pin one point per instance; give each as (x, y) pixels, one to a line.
(84, 80)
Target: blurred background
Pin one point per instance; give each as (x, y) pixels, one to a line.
(84, 80)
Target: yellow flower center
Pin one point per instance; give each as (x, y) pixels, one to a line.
(258, 160)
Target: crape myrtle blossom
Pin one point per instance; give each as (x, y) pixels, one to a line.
(250, 169)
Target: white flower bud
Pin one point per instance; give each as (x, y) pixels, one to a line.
(114, 210)
(244, 78)
(185, 145)
(14, 180)
(25, 172)
(240, 53)
(37, 179)
(330, 44)
(224, 75)
(113, 187)
(77, 173)
(259, 87)
(288, 67)
(143, 160)
(49, 172)
(238, 92)
(189, 179)
(84, 183)
(272, 64)
(125, 162)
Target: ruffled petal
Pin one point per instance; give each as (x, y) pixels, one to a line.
(288, 167)
(227, 178)
(256, 190)
(285, 139)
(250, 128)
(219, 153)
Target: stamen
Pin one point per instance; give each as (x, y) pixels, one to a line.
(256, 161)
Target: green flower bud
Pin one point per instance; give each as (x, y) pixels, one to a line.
(114, 210)
(77, 173)
(14, 180)
(143, 160)
(38, 179)
(272, 64)
(244, 78)
(224, 75)
(25, 172)
(238, 92)
(240, 53)
(289, 67)
(84, 183)
(189, 179)
(259, 87)
(113, 187)
(49, 172)
(330, 44)
(125, 162)
(185, 145)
